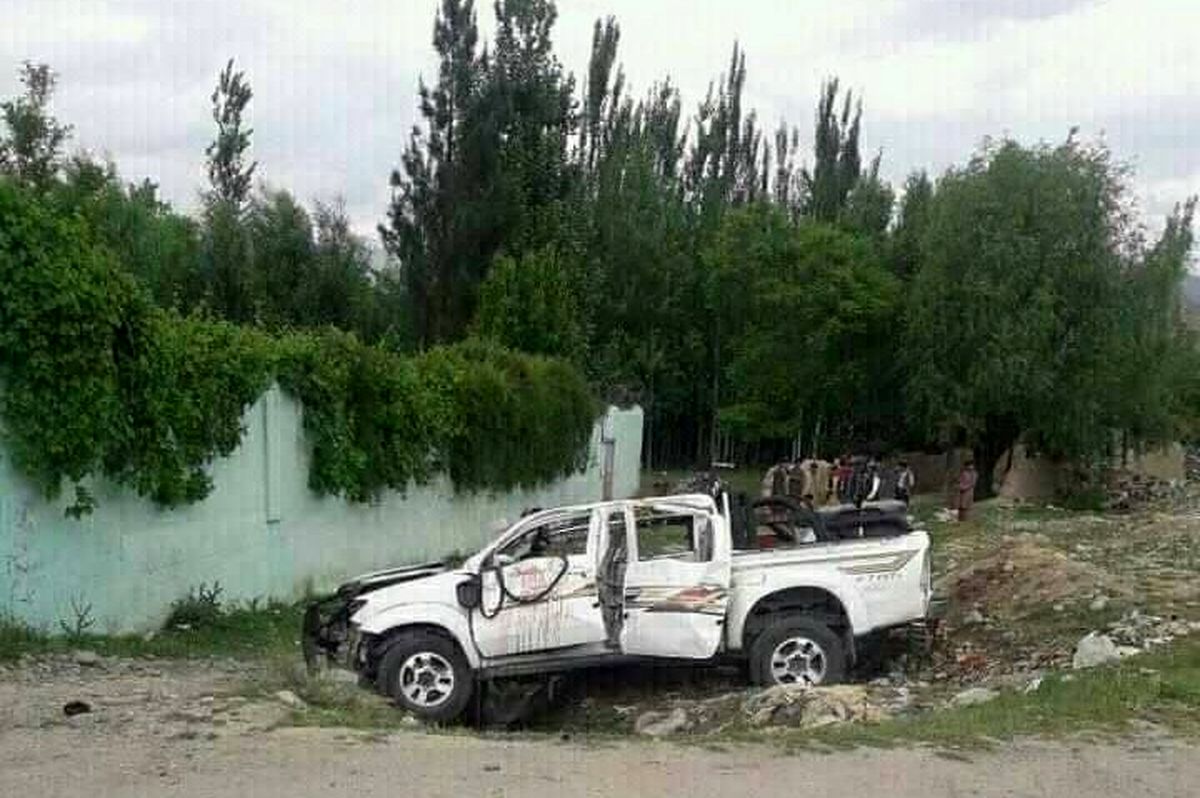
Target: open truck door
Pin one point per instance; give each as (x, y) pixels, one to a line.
(677, 573)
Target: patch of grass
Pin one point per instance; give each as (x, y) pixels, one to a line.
(17, 639)
(1161, 688)
(662, 482)
(328, 702)
(248, 632)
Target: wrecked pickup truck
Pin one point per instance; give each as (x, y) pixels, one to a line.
(791, 592)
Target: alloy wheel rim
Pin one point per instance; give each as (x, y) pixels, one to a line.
(426, 680)
(798, 660)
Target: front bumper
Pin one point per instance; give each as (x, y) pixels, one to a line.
(328, 637)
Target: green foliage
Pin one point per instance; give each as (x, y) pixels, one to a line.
(32, 150)
(1036, 313)
(530, 304)
(160, 247)
(371, 421)
(230, 177)
(514, 420)
(806, 313)
(99, 381)
(485, 415)
(199, 609)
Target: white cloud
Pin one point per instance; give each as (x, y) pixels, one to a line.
(335, 83)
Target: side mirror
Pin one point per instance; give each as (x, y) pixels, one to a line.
(470, 592)
(500, 560)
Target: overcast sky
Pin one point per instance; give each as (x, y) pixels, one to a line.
(334, 82)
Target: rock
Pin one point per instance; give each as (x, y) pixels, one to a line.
(1059, 607)
(1008, 567)
(288, 698)
(810, 707)
(1093, 650)
(341, 676)
(73, 708)
(1099, 603)
(1034, 685)
(972, 697)
(660, 724)
(973, 618)
(88, 659)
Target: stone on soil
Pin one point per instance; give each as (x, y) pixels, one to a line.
(972, 697)
(288, 698)
(661, 724)
(811, 707)
(1095, 649)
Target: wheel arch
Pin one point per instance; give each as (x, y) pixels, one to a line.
(432, 618)
(810, 599)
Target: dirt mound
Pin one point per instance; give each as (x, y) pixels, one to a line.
(1023, 574)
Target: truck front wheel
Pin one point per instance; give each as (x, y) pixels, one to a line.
(797, 650)
(426, 674)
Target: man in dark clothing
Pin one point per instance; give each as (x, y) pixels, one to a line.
(905, 480)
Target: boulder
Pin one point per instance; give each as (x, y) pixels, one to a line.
(1095, 649)
(811, 707)
(661, 724)
(973, 697)
(88, 659)
(288, 698)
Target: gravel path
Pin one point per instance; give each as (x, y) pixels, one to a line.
(178, 729)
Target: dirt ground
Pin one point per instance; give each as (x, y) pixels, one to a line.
(1024, 586)
(181, 729)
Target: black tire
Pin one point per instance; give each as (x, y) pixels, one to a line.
(825, 643)
(441, 656)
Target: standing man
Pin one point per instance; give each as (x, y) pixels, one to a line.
(905, 481)
(966, 490)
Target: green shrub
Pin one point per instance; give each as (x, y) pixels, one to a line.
(98, 381)
(199, 609)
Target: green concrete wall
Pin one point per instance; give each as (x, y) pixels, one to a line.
(261, 533)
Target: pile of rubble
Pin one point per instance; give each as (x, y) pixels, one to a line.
(1191, 463)
(1128, 491)
(1020, 575)
(1134, 633)
(778, 708)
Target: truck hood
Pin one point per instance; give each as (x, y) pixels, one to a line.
(378, 580)
(437, 587)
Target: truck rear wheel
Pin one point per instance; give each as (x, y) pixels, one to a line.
(427, 675)
(797, 650)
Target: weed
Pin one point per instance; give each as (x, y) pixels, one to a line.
(79, 627)
(200, 609)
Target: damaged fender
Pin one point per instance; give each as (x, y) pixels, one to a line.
(451, 619)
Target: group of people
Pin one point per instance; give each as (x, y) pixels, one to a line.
(853, 479)
(857, 479)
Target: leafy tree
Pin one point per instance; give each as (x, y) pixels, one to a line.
(31, 152)
(489, 170)
(341, 292)
(230, 177)
(836, 160)
(228, 247)
(807, 313)
(283, 258)
(433, 186)
(869, 205)
(530, 305)
(1012, 317)
(905, 256)
(160, 247)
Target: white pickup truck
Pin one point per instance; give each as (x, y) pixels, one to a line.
(788, 591)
